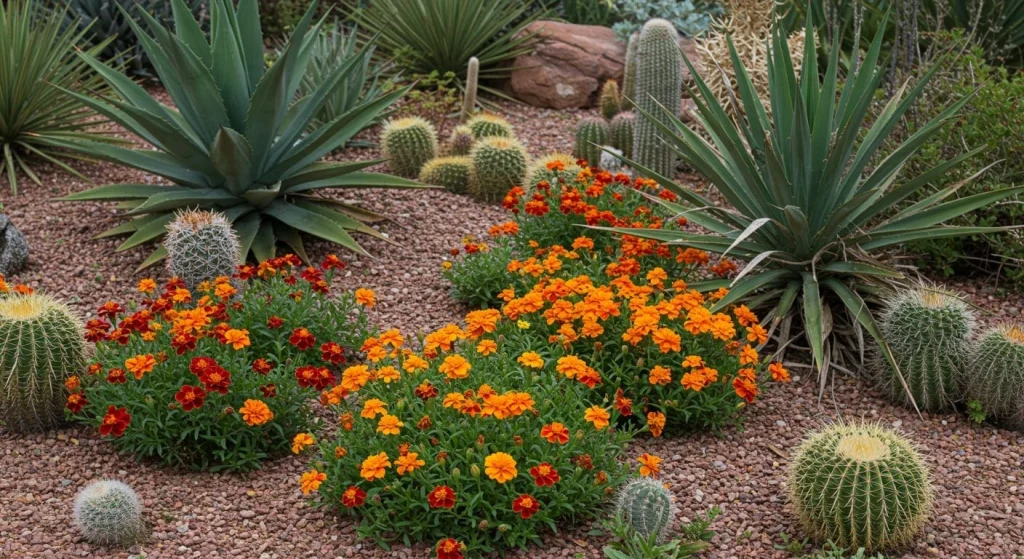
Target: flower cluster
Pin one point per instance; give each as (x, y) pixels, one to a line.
(217, 378)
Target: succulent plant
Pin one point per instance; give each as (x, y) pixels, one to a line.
(928, 332)
(42, 345)
(408, 143)
(461, 141)
(647, 507)
(539, 170)
(629, 73)
(455, 173)
(610, 101)
(860, 486)
(201, 246)
(472, 82)
(997, 374)
(591, 134)
(498, 165)
(659, 85)
(622, 133)
(109, 513)
(486, 125)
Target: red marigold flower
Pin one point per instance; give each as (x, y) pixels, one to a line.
(623, 404)
(353, 497)
(262, 366)
(269, 390)
(441, 497)
(332, 353)
(426, 391)
(449, 548)
(290, 280)
(95, 368)
(302, 339)
(200, 364)
(119, 335)
(110, 309)
(544, 475)
(555, 433)
(190, 397)
(312, 275)
(215, 379)
(183, 343)
(117, 376)
(526, 506)
(331, 261)
(76, 402)
(115, 421)
(246, 272)
(318, 378)
(274, 322)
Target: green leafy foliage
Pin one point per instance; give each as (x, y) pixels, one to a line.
(239, 140)
(478, 281)
(628, 544)
(589, 12)
(689, 17)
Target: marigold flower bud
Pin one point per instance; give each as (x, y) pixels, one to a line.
(504, 527)
(376, 499)
(640, 363)
(483, 525)
(456, 473)
(474, 470)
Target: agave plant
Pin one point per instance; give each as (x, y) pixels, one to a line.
(239, 140)
(810, 200)
(37, 60)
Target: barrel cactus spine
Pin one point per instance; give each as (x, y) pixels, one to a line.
(108, 512)
(498, 164)
(997, 374)
(591, 134)
(487, 125)
(647, 507)
(659, 85)
(610, 101)
(622, 133)
(201, 246)
(408, 143)
(454, 173)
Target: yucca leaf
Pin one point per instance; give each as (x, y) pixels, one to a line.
(947, 210)
(292, 238)
(813, 318)
(251, 40)
(264, 244)
(190, 32)
(229, 65)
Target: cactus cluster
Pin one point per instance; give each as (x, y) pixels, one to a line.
(461, 141)
(41, 345)
(647, 507)
(408, 143)
(201, 246)
(928, 332)
(629, 74)
(997, 374)
(455, 173)
(621, 129)
(539, 170)
(860, 486)
(591, 134)
(610, 101)
(659, 84)
(499, 163)
(487, 125)
(109, 513)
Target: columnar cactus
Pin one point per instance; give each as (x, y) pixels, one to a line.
(647, 507)
(610, 100)
(41, 345)
(928, 332)
(659, 85)
(498, 165)
(629, 76)
(472, 82)
(487, 125)
(454, 173)
(997, 374)
(408, 143)
(539, 171)
(591, 134)
(461, 141)
(860, 486)
(201, 246)
(109, 513)
(622, 133)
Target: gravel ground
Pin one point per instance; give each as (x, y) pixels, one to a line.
(977, 469)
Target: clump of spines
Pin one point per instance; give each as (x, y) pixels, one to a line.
(201, 246)
(455, 173)
(860, 486)
(928, 332)
(41, 346)
(591, 134)
(622, 133)
(610, 101)
(997, 374)
(647, 507)
(498, 164)
(461, 141)
(108, 512)
(487, 125)
(408, 143)
(659, 85)
(539, 171)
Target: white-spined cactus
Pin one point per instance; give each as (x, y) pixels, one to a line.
(860, 486)
(996, 377)
(408, 143)
(487, 125)
(647, 507)
(928, 331)
(659, 86)
(108, 512)
(201, 246)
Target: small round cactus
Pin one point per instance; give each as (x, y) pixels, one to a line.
(109, 513)
(487, 125)
(539, 171)
(622, 133)
(461, 141)
(201, 246)
(41, 346)
(408, 143)
(647, 506)
(591, 134)
(997, 374)
(860, 486)
(610, 101)
(453, 173)
(498, 165)
(928, 332)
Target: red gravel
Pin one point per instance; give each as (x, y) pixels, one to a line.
(977, 469)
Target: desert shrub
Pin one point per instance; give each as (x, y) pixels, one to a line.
(588, 12)
(218, 379)
(480, 279)
(689, 17)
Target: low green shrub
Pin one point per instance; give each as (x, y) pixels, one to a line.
(690, 17)
(478, 281)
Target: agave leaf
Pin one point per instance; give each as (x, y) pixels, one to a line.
(122, 192)
(147, 232)
(313, 223)
(232, 158)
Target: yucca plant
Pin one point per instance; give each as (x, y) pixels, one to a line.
(239, 141)
(37, 60)
(810, 198)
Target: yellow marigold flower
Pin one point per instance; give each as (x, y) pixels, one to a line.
(147, 285)
(372, 407)
(693, 361)
(388, 374)
(486, 347)
(660, 375)
(389, 425)
(366, 297)
(355, 377)
(523, 325)
(454, 400)
(531, 359)
(225, 290)
(413, 363)
(311, 480)
(650, 465)
(446, 265)
(455, 367)
(237, 338)
(148, 336)
(140, 364)
(500, 467)
(255, 412)
(392, 338)
(301, 442)
(598, 416)
(407, 463)
(374, 467)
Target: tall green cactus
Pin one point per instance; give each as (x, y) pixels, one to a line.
(647, 507)
(487, 125)
(622, 133)
(629, 73)
(539, 171)
(472, 82)
(659, 87)
(591, 134)
(996, 374)
(455, 173)
(860, 486)
(928, 332)
(408, 143)
(610, 101)
(201, 246)
(109, 513)
(498, 165)
(41, 345)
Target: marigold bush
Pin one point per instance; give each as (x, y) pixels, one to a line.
(218, 379)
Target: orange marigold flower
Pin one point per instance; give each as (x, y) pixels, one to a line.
(531, 359)
(486, 347)
(374, 467)
(778, 372)
(425, 391)
(346, 421)
(301, 442)
(650, 465)
(544, 475)
(237, 339)
(73, 383)
(455, 367)
(500, 467)
(655, 422)
(255, 412)
(694, 380)
(389, 425)
(408, 462)
(388, 374)
(262, 366)
(224, 291)
(140, 364)
(745, 388)
(311, 480)
(181, 295)
(660, 375)
(525, 506)
(449, 548)
(582, 243)
(748, 355)
(441, 497)
(555, 433)
(392, 338)
(667, 340)
(598, 416)
(757, 333)
(366, 297)
(693, 361)
(413, 363)
(147, 285)
(353, 497)
(355, 377)
(372, 407)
